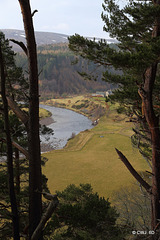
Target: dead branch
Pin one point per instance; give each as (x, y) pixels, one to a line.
(21, 149)
(150, 173)
(20, 114)
(21, 44)
(134, 172)
(34, 12)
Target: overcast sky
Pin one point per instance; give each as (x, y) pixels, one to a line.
(60, 16)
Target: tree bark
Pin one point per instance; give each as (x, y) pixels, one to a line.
(153, 123)
(14, 209)
(17, 171)
(35, 175)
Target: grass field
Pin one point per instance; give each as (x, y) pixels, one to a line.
(91, 158)
(43, 113)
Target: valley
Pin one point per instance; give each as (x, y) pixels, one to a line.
(90, 157)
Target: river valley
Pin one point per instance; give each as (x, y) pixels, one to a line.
(64, 123)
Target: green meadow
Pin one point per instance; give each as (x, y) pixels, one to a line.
(90, 157)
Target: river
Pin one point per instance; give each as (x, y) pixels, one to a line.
(66, 123)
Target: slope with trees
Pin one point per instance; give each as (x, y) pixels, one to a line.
(59, 75)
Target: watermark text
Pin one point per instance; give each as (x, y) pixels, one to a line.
(151, 232)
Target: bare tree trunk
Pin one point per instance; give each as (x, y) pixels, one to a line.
(15, 217)
(35, 175)
(17, 171)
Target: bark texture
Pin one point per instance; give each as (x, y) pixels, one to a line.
(35, 175)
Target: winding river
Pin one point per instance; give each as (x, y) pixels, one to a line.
(66, 123)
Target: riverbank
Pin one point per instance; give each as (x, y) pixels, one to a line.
(93, 108)
(46, 121)
(66, 124)
(90, 157)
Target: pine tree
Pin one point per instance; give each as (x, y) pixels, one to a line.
(85, 215)
(136, 26)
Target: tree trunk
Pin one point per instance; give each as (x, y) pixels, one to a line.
(35, 175)
(15, 217)
(153, 123)
(17, 171)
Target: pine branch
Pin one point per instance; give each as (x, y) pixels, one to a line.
(142, 135)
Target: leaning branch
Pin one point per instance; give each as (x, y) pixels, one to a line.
(46, 216)
(16, 145)
(21, 44)
(20, 114)
(134, 172)
(21, 149)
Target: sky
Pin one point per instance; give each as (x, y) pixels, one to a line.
(60, 16)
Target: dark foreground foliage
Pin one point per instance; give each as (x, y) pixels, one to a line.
(83, 215)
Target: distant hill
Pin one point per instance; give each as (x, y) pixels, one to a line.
(59, 75)
(42, 38)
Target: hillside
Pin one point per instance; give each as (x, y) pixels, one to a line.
(59, 76)
(42, 38)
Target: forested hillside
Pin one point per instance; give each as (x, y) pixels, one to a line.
(59, 67)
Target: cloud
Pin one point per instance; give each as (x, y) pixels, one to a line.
(60, 27)
(64, 16)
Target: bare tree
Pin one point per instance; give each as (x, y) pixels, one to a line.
(35, 175)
